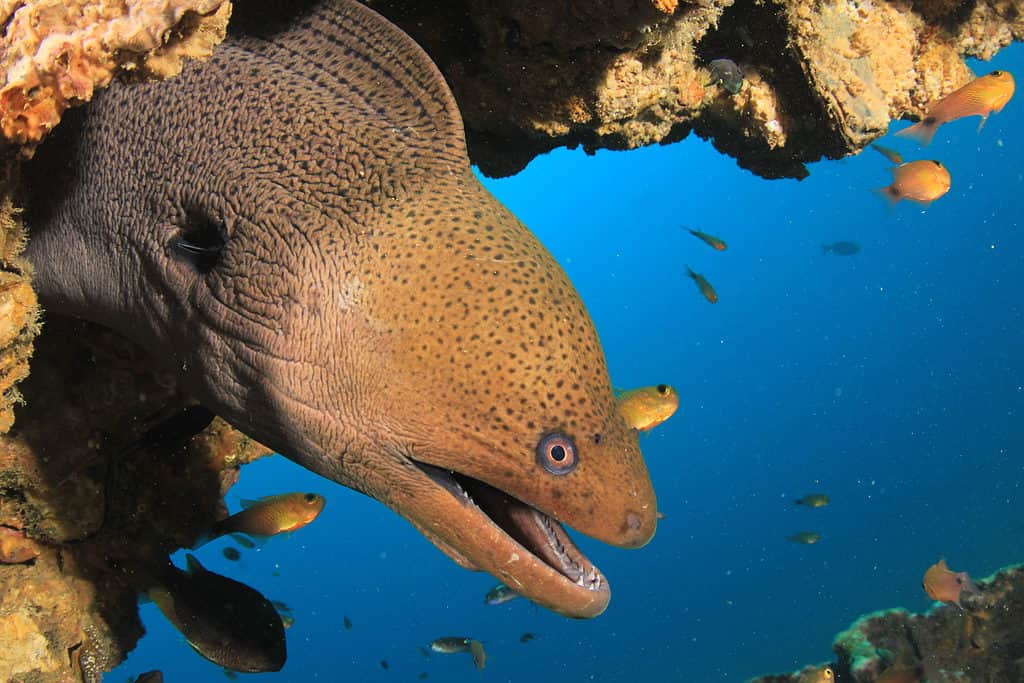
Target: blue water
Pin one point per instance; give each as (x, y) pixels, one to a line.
(893, 380)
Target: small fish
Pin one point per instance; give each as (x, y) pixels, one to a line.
(920, 181)
(805, 537)
(500, 594)
(710, 240)
(476, 650)
(945, 585)
(269, 516)
(243, 540)
(726, 73)
(527, 637)
(230, 675)
(890, 154)
(980, 97)
(841, 248)
(384, 664)
(813, 500)
(232, 554)
(225, 621)
(818, 674)
(423, 676)
(647, 407)
(450, 645)
(347, 623)
(150, 677)
(704, 286)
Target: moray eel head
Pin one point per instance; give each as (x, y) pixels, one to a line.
(296, 227)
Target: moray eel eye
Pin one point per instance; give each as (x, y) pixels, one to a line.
(557, 454)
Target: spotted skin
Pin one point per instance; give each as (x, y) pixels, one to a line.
(371, 304)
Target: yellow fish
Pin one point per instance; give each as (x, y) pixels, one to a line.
(818, 674)
(890, 154)
(704, 286)
(813, 500)
(805, 537)
(980, 97)
(647, 407)
(710, 240)
(269, 516)
(945, 585)
(920, 181)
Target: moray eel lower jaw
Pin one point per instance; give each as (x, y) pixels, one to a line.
(483, 528)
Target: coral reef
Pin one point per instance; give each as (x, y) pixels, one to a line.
(55, 53)
(824, 78)
(131, 475)
(984, 641)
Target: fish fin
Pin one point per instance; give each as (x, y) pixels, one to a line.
(689, 272)
(163, 599)
(922, 131)
(981, 124)
(890, 193)
(193, 565)
(247, 503)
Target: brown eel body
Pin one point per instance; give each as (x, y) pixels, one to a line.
(295, 226)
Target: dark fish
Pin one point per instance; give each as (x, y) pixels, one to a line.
(500, 594)
(450, 645)
(384, 664)
(813, 500)
(423, 676)
(841, 248)
(150, 677)
(805, 537)
(225, 621)
(243, 540)
(704, 286)
(476, 650)
(526, 637)
(232, 554)
(726, 73)
(712, 241)
(347, 623)
(230, 675)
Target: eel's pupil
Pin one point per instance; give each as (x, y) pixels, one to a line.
(558, 453)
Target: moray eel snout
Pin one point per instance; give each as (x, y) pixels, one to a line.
(295, 226)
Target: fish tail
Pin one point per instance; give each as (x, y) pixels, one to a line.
(923, 131)
(825, 248)
(891, 194)
(689, 271)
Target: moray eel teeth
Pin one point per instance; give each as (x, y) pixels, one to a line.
(525, 527)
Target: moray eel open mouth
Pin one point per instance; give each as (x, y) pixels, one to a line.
(524, 529)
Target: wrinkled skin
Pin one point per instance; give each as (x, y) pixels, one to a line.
(295, 226)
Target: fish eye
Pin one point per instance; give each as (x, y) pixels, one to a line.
(310, 497)
(662, 389)
(557, 454)
(997, 72)
(829, 674)
(937, 163)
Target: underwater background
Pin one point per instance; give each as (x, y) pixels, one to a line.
(891, 379)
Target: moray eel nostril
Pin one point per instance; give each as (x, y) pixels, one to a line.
(344, 290)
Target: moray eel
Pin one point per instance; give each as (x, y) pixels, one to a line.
(295, 226)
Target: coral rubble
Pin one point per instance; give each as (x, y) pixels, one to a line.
(824, 77)
(984, 641)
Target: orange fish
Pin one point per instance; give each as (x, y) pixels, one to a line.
(980, 97)
(269, 516)
(818, 674)
(710, 240)
(944, 585)
(920, 181)
(704, 286)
